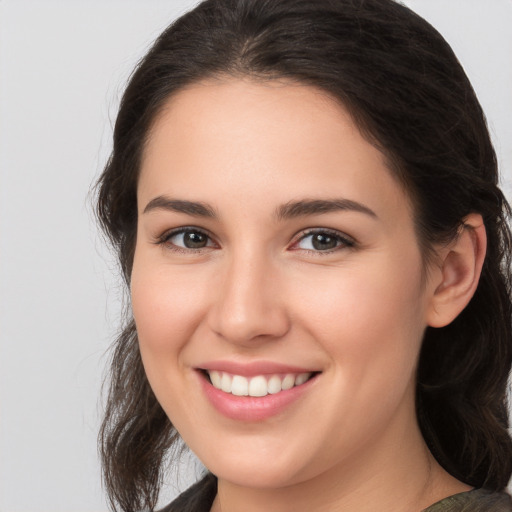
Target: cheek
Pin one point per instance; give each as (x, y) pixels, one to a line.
(166, 307)
(370, 315)
(369, 323)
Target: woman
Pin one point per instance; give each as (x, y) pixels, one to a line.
(303, 196)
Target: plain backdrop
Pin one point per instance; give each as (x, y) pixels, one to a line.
(63, 65)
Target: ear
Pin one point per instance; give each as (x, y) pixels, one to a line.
(457, 277)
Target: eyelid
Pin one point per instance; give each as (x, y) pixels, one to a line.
(164, 238)
(347, 241)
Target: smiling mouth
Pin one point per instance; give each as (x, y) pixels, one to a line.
(258, 385)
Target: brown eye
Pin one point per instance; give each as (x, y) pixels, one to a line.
(194, 240)
(187, 239)
(323, 241)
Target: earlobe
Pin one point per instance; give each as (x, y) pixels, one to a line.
(459, 274)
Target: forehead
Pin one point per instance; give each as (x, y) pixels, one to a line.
(248, 114)
(271, 138)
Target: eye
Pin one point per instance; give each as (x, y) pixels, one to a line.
(186, 239)
(322, 241)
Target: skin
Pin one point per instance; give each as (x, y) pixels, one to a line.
(259, 291)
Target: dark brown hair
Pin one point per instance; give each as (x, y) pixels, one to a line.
(410, 97)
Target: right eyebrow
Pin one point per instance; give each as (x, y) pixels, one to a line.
(307, 207)
(196, 209)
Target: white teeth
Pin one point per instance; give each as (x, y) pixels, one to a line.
(288, 382)
(301, 378)
(225, 383)
(239, 386)
(274, 385)
(256, 386)
(216, 379)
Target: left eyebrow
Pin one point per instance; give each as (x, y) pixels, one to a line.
(194, 208)
(305, 207)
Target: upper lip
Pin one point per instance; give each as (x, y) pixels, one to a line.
(253, 368)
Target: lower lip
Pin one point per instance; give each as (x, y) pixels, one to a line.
(249, 408)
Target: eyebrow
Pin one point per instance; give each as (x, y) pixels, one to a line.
(196, 209)
(288, 210)
(319, 206)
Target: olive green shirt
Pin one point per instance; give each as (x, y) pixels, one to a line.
(477, 500)
(199, 498)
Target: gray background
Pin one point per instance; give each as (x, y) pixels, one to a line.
(62, 69)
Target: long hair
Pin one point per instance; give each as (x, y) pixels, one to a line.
(410, 97)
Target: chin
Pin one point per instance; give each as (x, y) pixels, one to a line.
(256, 476)
(273, 467)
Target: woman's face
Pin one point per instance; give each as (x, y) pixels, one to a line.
(276, 256)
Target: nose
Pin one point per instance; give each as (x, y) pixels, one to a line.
(248, 305)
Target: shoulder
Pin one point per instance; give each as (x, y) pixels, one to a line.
(197, 498)
(477, 500)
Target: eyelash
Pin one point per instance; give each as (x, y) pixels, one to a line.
(166, 237)
(343, 241)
